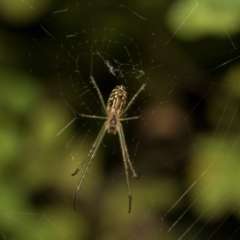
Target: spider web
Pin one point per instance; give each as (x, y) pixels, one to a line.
(185, 145)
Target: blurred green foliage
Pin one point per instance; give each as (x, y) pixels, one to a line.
(210, 18)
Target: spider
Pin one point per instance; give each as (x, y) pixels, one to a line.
(114, 110)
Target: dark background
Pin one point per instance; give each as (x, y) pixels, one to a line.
(186, 145)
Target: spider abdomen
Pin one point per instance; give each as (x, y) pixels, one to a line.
(117, 101)
(115, 107)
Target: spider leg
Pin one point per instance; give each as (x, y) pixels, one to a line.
(130, 118)
(134, 97)
(90, 116)
(88, 160)
(96, 87)
(126, 163)
(124, 148)
(81, 115)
